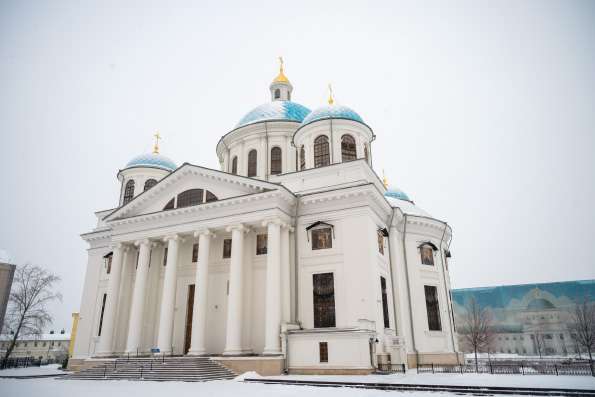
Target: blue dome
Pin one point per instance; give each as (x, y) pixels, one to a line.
(332, 112)
(396, 193)
(276, 110)
(152, 160)
(540, 304)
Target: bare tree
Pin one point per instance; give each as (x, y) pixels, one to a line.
(477, 332)
(27, 312)
(582, 324)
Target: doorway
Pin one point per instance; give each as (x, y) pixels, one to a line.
(189, 311)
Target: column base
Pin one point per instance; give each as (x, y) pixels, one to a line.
(105, 354)
(238, 352)
(200, 352)
(272, 352)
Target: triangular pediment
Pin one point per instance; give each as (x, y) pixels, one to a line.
(188, 176)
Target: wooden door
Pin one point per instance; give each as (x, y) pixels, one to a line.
(189, 311)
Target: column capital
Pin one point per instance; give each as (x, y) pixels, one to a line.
(144, 241)
(240, 227)
(173, 237)
(272, 221)
(204, 232)
(120, 246)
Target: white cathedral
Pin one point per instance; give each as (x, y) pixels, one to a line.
(293, 256)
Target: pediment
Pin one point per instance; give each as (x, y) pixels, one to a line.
(221, 184)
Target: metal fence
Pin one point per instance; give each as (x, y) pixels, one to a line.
(520, 368)
(19, 362)
(388, 368)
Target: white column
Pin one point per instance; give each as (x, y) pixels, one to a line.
(111, 302)
(285, 275)
(168, 298)
(199, 314)
(272, 342)
(233, 341)
(138, 297)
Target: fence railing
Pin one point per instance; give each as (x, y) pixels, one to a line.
(389, 368)
(19, 362)
(521, 368)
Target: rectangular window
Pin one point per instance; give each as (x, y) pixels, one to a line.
(100, 317)
(137, 256)
(323, 351)
(165, 256)
(432, 308)
(109, 264)
(227, 248)
(324, 300)
(427, 255)
(384, 303)
(322, 238)
(380, 242)
(194, 252)
(261, 244)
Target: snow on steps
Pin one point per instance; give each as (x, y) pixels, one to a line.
(190, 369)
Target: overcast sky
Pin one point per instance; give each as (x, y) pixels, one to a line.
(484, 114)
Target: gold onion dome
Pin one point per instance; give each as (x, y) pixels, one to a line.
(281, 78)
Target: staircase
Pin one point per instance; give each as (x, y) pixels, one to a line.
(187, 369)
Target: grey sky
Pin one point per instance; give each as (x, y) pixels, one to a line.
(483, 111)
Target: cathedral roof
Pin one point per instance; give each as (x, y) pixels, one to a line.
(276, 110)
(397, 193)
(154, 160)
(332, 111)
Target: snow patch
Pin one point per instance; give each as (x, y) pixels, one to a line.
(249, 374)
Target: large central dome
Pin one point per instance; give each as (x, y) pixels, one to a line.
(276, 110)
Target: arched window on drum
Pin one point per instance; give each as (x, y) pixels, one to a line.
(348, 151)
(321, 151)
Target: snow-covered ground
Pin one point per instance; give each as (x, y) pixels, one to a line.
(58, 388)
(542, 381)
(43, 370)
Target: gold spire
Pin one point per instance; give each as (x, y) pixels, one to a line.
(281, 78)
(384, 180)
(156, 145)
(330, 95)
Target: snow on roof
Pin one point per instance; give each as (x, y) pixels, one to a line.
(407, 207)
(49, 337)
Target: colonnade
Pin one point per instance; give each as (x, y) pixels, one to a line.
(277, 279)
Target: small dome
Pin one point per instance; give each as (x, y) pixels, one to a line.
(332, 112)
(276, 110)
(540, 304)
(397, 193)
(152, 160)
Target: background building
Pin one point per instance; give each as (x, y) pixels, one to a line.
(6, 276)
(52, 346)
(529, 319)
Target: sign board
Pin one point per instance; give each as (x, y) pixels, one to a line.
(155, 350)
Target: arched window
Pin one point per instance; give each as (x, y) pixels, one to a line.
(149, 183)
(302, 158)
(276, 160)
(366, 151)
(321, 151)
(190, 197)
(211, 197)
(128, 191)
(277, 93)
(234, 165)
(170, 205)
(252, 162)
(348, 152)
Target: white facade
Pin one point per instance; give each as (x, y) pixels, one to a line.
(254, 303)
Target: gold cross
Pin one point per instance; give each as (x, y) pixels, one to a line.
(281, 64)
(156, 146)
(330, 95)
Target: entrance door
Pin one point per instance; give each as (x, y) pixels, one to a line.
(189, 311)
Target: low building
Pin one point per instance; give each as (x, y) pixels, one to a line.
(528, 319)
(52, 346)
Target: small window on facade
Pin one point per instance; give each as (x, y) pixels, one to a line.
(323, 351)
(276, 160)
(366, 151)
(427, 255)
(380, 237)
(210, 197)
(194, 252)
(385, 316)
(261, 244)
(100, 316)
(277, 93)
(288, 96)
(234, 165)
(149, 183)
(128, 191)
(165, 256)
(252, 163)
(190, 197)
(324, 300)
(322, 238)
(348, 151)
(170, 205)
(302, 158)
(432, 308)
(321, 151)
(109, 264)
(227, 248)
